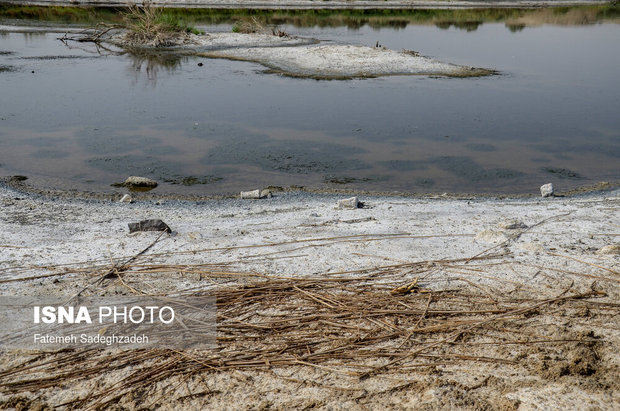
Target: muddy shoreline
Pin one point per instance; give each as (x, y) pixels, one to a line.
(546, 260)
(24, 186)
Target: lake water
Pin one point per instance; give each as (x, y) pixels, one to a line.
(72, 118)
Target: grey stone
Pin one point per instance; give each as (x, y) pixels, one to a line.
(135, 181)
(149, 225)
(546, 190)
(352, 202)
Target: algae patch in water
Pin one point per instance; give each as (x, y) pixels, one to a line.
(193, 180)
(289, 156)
(332, 179)
(404, 165)
(424, 182)
(467, 168)
(562, 172)
(146, 166)
(481, 147)
(50, 153)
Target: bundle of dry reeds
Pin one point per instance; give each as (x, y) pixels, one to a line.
(358, 326)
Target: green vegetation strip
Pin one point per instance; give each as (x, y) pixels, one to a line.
(310, 18)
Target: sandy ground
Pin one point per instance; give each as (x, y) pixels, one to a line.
(538, 249)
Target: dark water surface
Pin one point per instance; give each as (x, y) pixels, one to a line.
(84, 120)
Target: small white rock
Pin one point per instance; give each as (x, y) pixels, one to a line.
(352, 202)
(250, 195)
(546, 190)
(265, 194)
(126, 199)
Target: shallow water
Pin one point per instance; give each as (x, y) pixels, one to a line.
(84, 120)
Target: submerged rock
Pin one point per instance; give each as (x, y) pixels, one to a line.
(140, 182)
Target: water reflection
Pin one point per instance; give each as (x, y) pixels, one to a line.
(469, 20)
(150, 64)
(515, 28)
(464, 25)
(466, 19)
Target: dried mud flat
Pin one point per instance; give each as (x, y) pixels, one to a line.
(428, 303)
(303, 57)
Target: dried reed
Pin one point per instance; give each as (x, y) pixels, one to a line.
(357, 326)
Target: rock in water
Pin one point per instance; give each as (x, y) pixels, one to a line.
(546, 190)
(352, 202)
(149, 225)
(135, 181)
